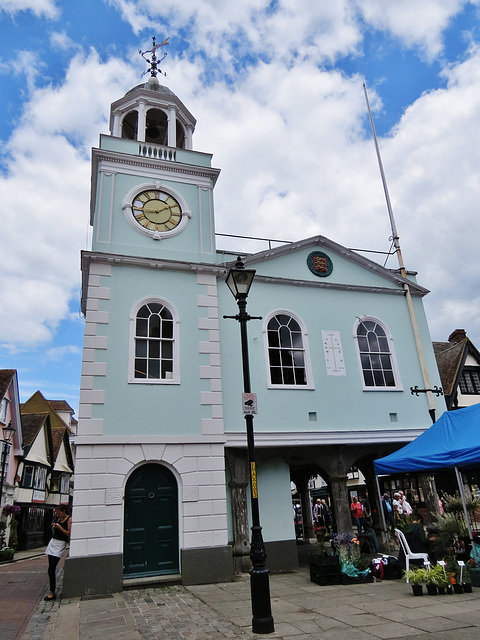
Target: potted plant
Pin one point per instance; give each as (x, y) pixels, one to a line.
(416, 577)
(436, 580)
(6, 554)
(442, 579)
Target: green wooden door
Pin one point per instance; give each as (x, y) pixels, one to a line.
(151, 522)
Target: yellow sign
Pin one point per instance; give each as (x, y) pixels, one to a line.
(253, 475)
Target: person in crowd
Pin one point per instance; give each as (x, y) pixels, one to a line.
(367, 509)
(388, 512)
(397, 508)
(61, 527)
(416, 538)
(356, 510)
(406, 507)
(318, 513)
(369, 540)
(327, 515)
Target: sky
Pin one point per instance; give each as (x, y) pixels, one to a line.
(277, 90)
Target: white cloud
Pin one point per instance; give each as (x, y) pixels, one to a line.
(40, 8)
(419, 24)
(59, 353)
(290, 140)
(44, 196)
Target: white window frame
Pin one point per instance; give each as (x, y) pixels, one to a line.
(176, 344)
(306, 351)
(40, 478)
(3, 410)
(393, 358)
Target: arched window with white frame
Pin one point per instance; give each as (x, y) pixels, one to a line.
(287, 353)
(154, 345)
(376, 355)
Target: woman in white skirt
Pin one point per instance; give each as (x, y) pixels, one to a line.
(61, 535)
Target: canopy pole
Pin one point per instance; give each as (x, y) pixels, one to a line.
(467, 516)
(383, 513)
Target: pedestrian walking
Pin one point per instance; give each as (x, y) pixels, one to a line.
(61, 527)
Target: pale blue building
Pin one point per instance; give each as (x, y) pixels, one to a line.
(161, 478)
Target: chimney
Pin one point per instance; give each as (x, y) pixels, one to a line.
(457, 336)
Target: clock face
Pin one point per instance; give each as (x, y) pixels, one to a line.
(156, 210)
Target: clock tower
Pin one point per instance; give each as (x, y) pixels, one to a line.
(150, 489)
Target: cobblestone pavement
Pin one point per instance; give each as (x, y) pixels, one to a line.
(301, 610)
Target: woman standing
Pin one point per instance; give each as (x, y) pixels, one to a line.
(356, 510)
(61, 535)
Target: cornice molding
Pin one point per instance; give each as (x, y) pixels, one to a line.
(275, 439)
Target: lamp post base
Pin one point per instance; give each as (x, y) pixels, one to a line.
(262, 620)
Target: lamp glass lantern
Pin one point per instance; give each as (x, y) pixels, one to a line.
(239, 280)
(8, 433)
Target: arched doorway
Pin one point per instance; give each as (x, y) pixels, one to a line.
(151, 522)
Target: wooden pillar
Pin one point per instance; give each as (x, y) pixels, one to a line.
(430, 496)
(338, 465)
(237, 462)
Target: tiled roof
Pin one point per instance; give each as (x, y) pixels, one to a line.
(58, 433)
(60, 405)
(31, 425)
(449, 357)
(6, 376)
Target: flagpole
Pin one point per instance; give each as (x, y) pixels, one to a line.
(403, 273)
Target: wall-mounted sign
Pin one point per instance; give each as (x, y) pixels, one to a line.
(332, 346)
(38, 496)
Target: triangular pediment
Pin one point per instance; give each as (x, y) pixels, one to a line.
(323, 262)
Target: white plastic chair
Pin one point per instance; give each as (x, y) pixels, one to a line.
(410, 555)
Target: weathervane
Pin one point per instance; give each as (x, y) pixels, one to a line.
(153, 62)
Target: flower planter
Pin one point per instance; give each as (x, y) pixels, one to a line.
(7, 554)
(417, 589)
(441, 591)
(467, 587)
(432, 589)
(458, 588)
(325, 569)
(449, 589)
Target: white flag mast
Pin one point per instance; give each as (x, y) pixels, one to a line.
(403, 273)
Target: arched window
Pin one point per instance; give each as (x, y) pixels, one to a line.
(154, 343)
(287, 354)
(376, 354)
(130, 125)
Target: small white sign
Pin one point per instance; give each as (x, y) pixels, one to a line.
(249, 402)
(332, 346)
(38, 496)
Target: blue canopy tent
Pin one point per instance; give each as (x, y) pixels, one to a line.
(452, 442)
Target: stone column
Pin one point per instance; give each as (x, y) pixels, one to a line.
(172, 127)
(142, 121)
(237, 463)
(189, 138)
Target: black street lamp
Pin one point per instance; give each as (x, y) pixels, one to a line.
(239, 281)
(7, 439)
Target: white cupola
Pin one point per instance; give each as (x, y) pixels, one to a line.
(152, 113)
